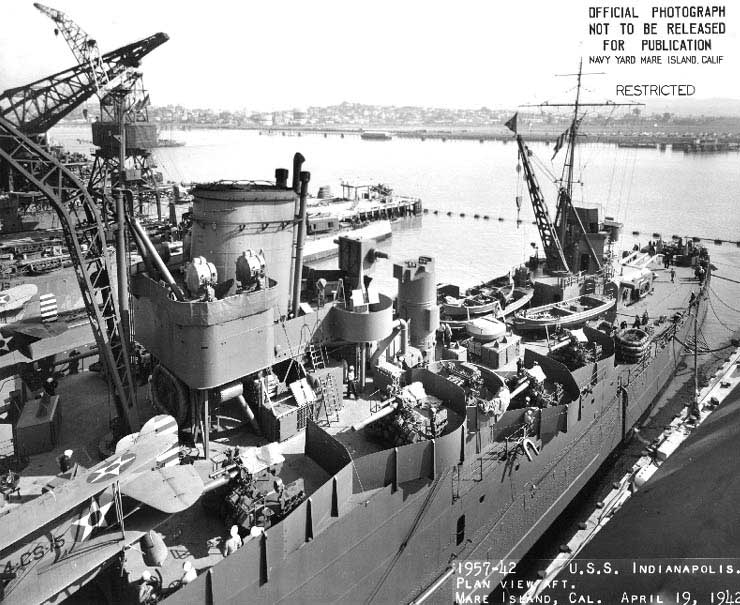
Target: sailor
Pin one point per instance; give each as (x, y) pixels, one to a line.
(700, 274)
(234, 542)
(189, 573)
(638, 322)
(351, 388)
(74, 362)
(50, 386)
(447, 334)
(65, 461)
(147, 588)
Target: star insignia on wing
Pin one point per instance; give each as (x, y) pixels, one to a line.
(92, 518)
(112, 470)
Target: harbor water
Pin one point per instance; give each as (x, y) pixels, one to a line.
(651, 191)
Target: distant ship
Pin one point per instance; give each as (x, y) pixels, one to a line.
(375, 135)
(169, 143)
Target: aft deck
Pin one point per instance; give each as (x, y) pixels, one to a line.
(665, 300)
(193, 534)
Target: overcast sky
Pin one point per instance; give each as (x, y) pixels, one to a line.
(260, 55)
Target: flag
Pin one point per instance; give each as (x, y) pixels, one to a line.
(511, 124)
(559, 142)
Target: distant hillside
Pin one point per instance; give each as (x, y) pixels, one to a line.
(696, 107)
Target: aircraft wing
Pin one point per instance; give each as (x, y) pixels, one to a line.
(59, 579)
(25, 520)
(169, 489)
(37, 329)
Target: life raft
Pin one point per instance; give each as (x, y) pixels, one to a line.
(633, 345)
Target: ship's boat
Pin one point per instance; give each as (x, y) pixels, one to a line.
(491, 297)
(519, 298)
(470, 306)
(567, 313)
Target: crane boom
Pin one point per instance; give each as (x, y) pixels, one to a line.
(36, 107)
(554, 256)
(85, 237)
(84, 48)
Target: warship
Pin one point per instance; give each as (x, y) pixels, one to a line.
(442, 458)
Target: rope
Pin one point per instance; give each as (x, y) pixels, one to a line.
(704, 351)
(722, 301)
(723, 324)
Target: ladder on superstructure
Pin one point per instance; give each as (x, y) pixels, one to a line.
(317, 355)
(326, 395)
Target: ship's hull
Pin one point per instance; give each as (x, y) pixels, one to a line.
(410, 515)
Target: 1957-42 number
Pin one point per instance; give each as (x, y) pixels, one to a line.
(483, 569)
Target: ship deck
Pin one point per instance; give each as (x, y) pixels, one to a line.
(665, 300)
(197, 535)
(193, 534)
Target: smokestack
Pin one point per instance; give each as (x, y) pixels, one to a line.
(281, 178)
(304, 178)
(298, 160)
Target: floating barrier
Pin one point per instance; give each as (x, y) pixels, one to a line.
(656, 235)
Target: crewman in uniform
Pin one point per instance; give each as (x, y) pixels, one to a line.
(147, 588)
(351, 387)
(65, 461)
(234, 542)
(189, 573)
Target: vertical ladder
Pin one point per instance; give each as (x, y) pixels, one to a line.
(332, 401)
(317, 355)
(326, 395)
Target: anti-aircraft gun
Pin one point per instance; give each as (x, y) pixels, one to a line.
(247, 489)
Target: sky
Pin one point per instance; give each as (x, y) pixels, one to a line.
(281, 54)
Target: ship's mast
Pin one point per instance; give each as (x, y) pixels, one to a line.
(565, 194)
(570, 159)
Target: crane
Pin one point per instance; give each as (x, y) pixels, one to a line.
(554, 255)
(36, 107)
(84, 233)
(84, 48)
(126, 103)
